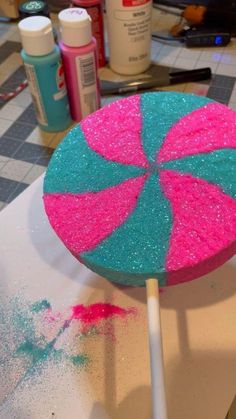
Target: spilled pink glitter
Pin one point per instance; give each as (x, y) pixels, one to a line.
(100, 311)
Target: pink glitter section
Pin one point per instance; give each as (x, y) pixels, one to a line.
(82, 221)
(104, 134)
(207, 129)
(204, 226)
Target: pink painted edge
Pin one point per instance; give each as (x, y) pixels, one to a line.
(176, 277)
(193, 270)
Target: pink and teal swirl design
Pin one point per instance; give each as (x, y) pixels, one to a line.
(146, 187)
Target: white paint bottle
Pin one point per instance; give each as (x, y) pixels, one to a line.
(129, 35)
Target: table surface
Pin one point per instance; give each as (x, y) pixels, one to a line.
(41, 281)
(25, 150)
(59, 366)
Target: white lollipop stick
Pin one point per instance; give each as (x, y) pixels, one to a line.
(159, 409)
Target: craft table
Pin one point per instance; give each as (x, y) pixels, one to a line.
(25, 150)
(55, 365)
(108, 376)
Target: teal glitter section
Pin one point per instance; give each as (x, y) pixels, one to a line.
(76, 168)
(138, 245)
(160, 111)
(80, 360)
(40, 306)
(217, 167)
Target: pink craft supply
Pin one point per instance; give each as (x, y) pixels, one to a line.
(79, 55)
(175, 219)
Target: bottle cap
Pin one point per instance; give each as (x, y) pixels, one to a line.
(36, 35)
(33, 8)
(75, 26)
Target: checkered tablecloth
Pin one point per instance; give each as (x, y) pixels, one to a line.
(25, 150)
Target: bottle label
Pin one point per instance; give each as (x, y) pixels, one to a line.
(130, 26)
(86, 75)
(36, 94)
(133, 3)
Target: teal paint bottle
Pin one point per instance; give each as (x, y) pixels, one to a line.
(44, 73)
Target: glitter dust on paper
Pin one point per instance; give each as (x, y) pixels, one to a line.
(36, 335)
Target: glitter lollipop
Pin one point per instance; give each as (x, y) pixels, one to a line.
(145, 188)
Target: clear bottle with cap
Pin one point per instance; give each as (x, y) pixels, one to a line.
(79, 54)
(44, 73)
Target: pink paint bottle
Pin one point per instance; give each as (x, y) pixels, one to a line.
(95, 11)
(79, 56)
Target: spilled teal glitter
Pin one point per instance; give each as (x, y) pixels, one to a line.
(25, 352)
(40, 306)
(19, 341)
(80, 360)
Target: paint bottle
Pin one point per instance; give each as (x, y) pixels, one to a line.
(79, 56)
(44, 73)
(95, 11)
(129, 35)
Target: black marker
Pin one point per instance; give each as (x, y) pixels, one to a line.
(112, 88)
